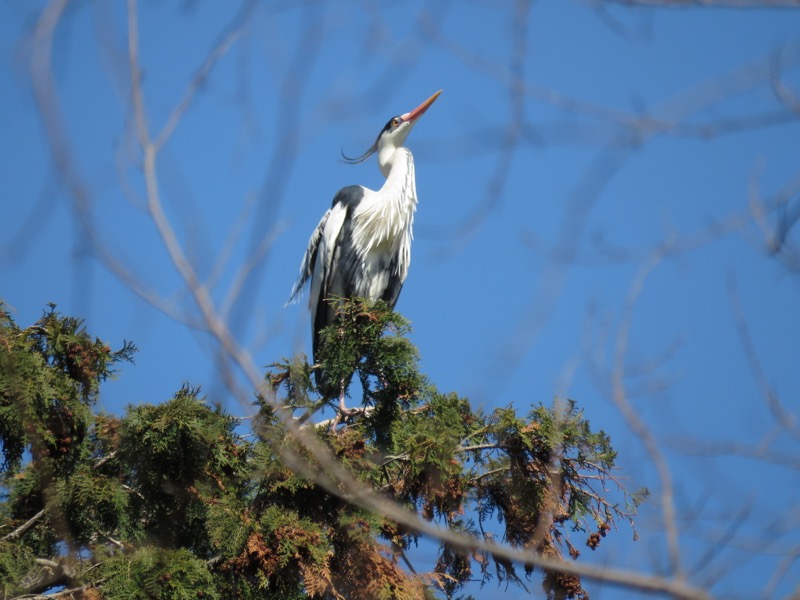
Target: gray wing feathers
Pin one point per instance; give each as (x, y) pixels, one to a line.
(309, 258)
(325, 234)
(322, 278)
(330, 261)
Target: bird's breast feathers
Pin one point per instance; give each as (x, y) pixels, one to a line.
(380, 223)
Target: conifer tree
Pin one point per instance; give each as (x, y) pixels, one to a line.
(178, 499)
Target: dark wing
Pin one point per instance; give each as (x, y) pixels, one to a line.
(394, 285)
(334, 260)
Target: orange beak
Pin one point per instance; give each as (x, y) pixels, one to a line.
(420, 110)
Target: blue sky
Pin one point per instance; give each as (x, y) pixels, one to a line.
(498, 314)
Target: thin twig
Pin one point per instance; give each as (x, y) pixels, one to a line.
(22, 529)
(785, 419)
(637, 425)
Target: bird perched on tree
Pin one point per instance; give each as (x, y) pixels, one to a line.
(362, 246)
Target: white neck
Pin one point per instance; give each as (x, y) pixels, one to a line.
(387, 215)
(387, 155)
(397, 165)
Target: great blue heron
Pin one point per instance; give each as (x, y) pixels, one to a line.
(362, 246)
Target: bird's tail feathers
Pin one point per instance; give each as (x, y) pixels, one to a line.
(297, 292)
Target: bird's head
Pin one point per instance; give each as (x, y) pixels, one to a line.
(393, 134)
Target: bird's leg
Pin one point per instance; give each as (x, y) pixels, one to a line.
(343, 410)
(334, 422)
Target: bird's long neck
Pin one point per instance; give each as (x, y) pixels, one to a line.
(385, 217)
(398, 168)
(399, 190)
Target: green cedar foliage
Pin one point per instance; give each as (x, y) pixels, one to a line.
(179, 500)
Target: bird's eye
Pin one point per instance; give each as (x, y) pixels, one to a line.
(395, 122)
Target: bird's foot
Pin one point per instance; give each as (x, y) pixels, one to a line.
(345, 414)
(348, 412)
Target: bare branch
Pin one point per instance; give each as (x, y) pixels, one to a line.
(739, 4)
(76, 592)
(196, 83)
(22, 529)
(789, 559)
(636, 424)
(786, 419)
